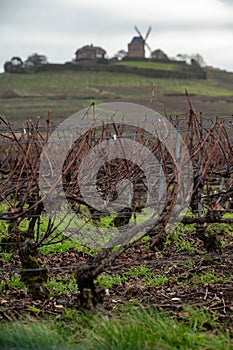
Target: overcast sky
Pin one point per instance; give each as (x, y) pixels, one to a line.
(56, 28)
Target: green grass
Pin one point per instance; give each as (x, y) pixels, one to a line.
(72, 82)
(5, 256)
(188, 264)
(147, 278)
(180, 238)
(210, 278)
(146, 329)
(134, 328)
(221, 227)
(13, 282)
(2, 285)
(75, 85)
(62, 247)
(62, 285)
(31, 336)
(108, 281)
(149, 65)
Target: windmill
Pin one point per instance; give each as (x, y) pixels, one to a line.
(137, 46)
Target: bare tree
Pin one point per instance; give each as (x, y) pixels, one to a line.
(121, 54)
(197, 58)
(35, 60)
(15, 65)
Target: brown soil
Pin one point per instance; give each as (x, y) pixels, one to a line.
(177, 103)
(179, 289)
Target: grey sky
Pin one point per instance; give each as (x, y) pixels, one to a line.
(57, 28)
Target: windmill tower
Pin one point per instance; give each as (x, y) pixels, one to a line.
(136, 48)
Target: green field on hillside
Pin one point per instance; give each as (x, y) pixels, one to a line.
(77, 84)
(150, 65)
(24, 96)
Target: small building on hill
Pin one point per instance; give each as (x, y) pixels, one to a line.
(89, 53)
(159, 55)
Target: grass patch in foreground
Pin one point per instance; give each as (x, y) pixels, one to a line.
(31, 336)
(147, 329)
(135, 328)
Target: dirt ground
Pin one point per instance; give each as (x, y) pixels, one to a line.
(179, 269)
(177, 103)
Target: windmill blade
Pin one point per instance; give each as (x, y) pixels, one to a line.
(137, 30)
(148, 48)
(148, 32)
